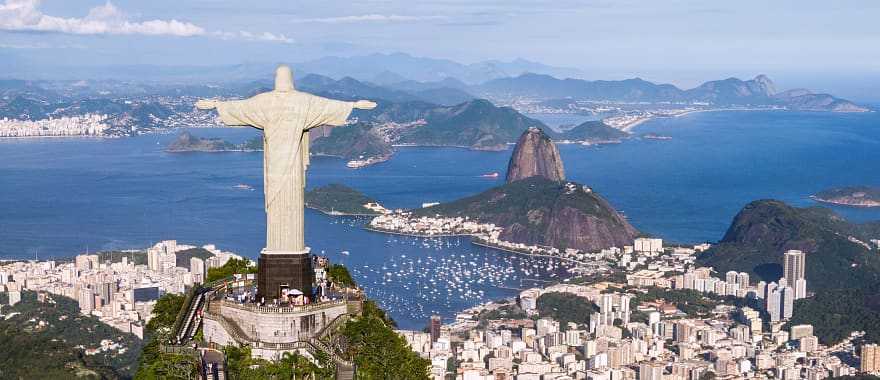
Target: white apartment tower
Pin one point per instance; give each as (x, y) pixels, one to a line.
(794, 268)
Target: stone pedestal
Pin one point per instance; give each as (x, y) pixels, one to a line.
(280, 269)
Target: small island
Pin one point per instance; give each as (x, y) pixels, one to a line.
(336, 199)
(854, 196)
(187, 142)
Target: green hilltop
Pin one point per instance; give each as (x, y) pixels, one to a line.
(593, 130)
(536, 210)
(30, 350)
(839, 254)
(476, 124)
(337, 198)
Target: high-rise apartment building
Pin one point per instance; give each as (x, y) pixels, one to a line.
(794, 268)
(434, 327)
(870, 358)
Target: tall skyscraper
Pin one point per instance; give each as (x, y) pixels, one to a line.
(13, 292)
(434, 327)
(800, 288)
(787, 302)
(153, 259)
(769, 289)
(794, 269)
(624, 310)
(86, 300)
(198, 269)
(730, 277)
(651, 371)
(774, 303)
(742, 279)
(870, 358)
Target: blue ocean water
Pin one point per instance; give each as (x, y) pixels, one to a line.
(59, 197)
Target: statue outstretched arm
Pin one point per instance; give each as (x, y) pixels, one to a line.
(323, 111)
(364, 104)
(207, 104)
(233, 112)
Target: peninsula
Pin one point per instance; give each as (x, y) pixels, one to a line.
(536, 208)
(855, 196)
(337, 199)
(187, 142)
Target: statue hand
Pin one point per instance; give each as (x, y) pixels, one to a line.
(206, 104)
(364, 104)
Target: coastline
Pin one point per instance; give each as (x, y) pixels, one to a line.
(337, 213)
(628, 128)
(371, 229)
(474, 239)
(487, 245)
(55, 137)
(213, 151)
(843, 203)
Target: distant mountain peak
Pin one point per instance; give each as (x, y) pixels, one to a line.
(765, 84)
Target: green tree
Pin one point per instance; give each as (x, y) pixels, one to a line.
(380, 353)
(565, 307)
(165, 312)
(834, 314)
(155, 364)
(231, 267)
(339, 274)
(240, 364)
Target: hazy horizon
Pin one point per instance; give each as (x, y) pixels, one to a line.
(812, 44)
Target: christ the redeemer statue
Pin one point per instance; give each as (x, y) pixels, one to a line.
(285, 116)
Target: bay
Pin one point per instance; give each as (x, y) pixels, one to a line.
(60, 197)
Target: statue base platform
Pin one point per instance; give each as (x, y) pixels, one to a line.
(284, 270)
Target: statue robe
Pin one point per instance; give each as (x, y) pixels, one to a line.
(285, 118)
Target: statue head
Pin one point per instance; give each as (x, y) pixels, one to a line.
(283, 79)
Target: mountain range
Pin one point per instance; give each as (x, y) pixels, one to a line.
(475, 124)
(759, 91)
(379, 68)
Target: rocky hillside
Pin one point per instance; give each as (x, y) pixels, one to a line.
(540, 211)
(535, 155)
(839, 254)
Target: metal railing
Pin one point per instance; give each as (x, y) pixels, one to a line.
(313, 344)
(282, 309)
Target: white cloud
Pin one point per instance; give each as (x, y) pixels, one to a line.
(25, 15)
(248, 36)
(368, 18)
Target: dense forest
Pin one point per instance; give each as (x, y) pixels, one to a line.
(46, 340)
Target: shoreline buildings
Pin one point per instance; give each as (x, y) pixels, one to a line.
(632, 336)
(120, 290)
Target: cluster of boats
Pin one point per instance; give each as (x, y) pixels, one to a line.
(424, 277)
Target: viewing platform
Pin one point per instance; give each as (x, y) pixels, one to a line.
(230, 317)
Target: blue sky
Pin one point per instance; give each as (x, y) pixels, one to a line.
(676, 41)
